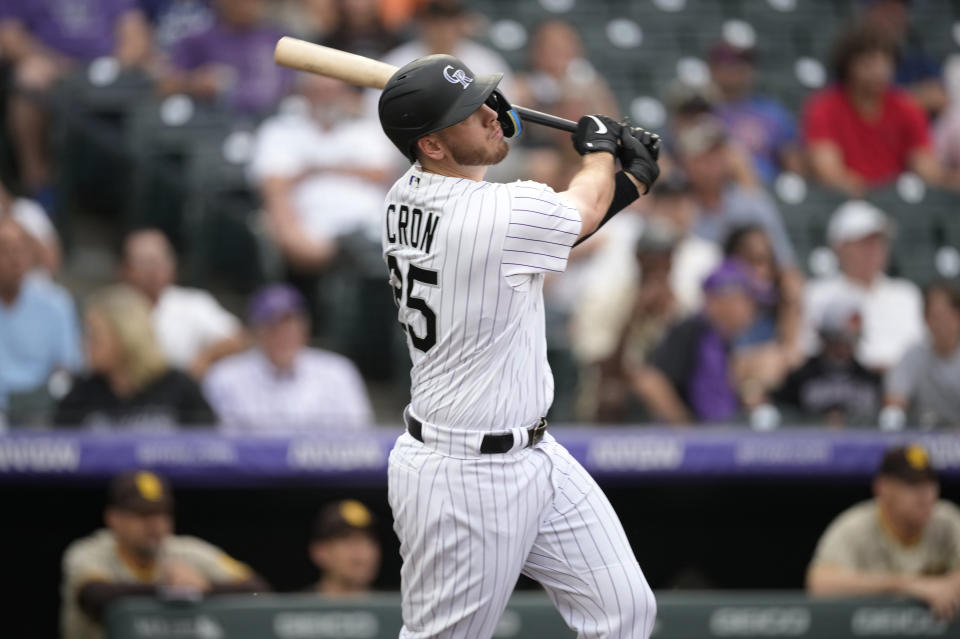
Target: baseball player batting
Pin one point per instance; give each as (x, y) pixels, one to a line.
(480, 492)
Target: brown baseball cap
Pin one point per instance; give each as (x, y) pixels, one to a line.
(142, 492)
(910, 464)
(341, 518)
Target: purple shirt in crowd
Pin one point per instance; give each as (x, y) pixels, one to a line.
(174, 20)
(710, 394)
(78, 29)
(257, 81)
(695, 359)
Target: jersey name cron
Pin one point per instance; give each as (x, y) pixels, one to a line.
(411, 226)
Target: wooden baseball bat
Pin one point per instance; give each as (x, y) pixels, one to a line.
(373, 74)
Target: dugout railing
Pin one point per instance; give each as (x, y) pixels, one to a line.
(693, 615)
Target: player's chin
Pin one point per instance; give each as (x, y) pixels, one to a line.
(486, 154)
(499, 152)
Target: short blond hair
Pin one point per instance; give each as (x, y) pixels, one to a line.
(129, 315)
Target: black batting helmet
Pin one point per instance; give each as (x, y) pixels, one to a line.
(434, 92)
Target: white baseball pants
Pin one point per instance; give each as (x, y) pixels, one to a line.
(470, 524)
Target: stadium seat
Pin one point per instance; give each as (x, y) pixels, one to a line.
(8, 168)
(806, 210)
(688, 30)
(162, 138)
(226, 247)
(917, 234)
(92, 108)
(936, 21)
(358, 317)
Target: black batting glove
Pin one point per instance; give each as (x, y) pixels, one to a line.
(638, 153)
(596, 133)
(648, 139)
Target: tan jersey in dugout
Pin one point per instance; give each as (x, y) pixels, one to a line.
(96, 558)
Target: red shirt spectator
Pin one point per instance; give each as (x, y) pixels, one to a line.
(877, 149)
(863, 132)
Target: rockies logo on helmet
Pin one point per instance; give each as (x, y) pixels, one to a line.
(458, 76)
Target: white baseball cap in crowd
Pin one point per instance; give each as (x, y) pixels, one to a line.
(855, 220)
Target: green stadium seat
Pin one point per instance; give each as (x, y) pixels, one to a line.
(806, 210)
(810, 14)
(951, 229)
(162, 138)
(91, 109)
(806, 30)
(784, 86)
(101, 88)
(934, 23)
(358, 317)
(946, 206)
(918, 232)
(226, 247)
(688, 31)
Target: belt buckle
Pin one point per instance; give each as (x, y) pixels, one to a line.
(537, 432)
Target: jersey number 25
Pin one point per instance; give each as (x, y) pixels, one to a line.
(415, 274)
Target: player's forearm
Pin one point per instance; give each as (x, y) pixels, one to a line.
(790, 313)
(828, 167)
(836, 176)
(134, 40)
(300, 250)
(844, 181)
(626, 190)
(924, 163)
(896, 401)
(792, 159)
(659, 396)
(172, 81)
(592, 190)
(218, 350)
(286, 230)
(16, 42)
(825, 581)
(741, 168)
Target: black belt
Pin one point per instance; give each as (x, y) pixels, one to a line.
(491, 444)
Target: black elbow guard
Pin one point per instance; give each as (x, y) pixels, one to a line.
(625, 193)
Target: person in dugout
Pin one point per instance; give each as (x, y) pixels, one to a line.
(137, 554)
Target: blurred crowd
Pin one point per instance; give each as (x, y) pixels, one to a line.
(691, 307)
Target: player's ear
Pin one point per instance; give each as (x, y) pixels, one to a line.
(432, 147)
(879, 487)
(110, 517)
(319, 554)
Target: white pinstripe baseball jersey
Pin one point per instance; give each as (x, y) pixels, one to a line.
(467, 261)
